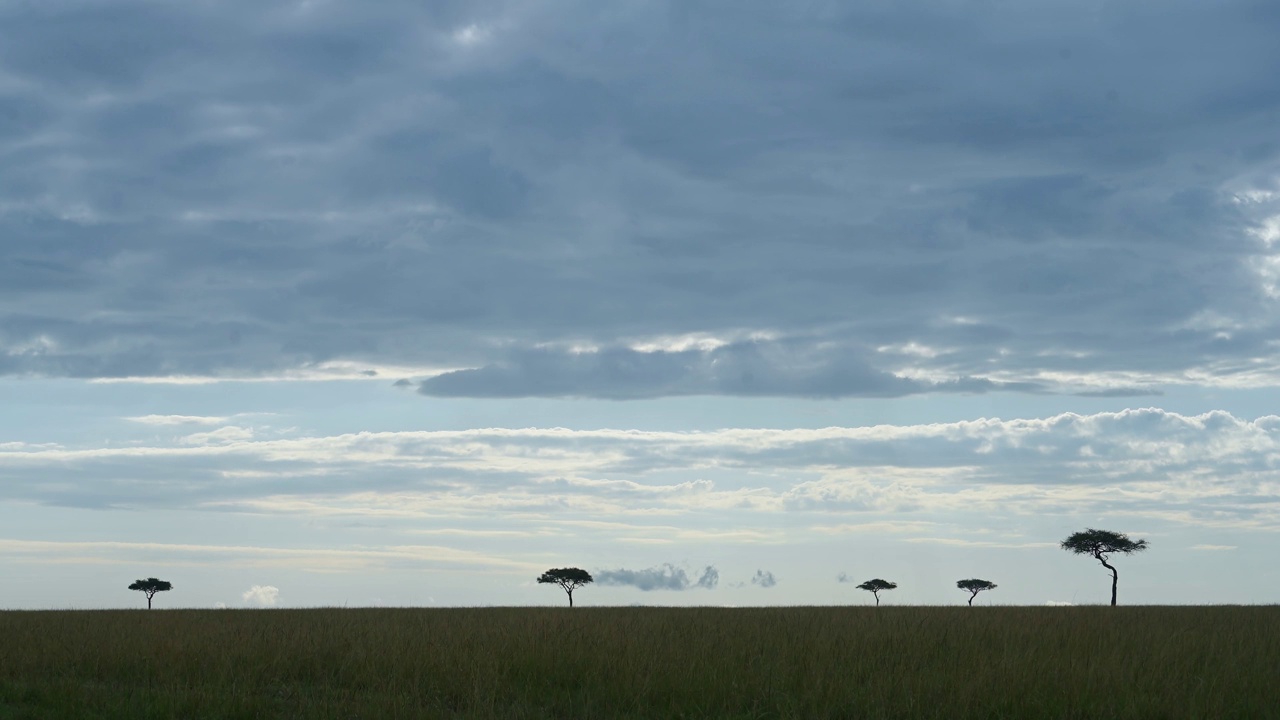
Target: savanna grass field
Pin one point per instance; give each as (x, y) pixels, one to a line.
(796, 662)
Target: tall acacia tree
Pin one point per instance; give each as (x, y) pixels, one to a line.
(151, 586)
(569, 579)
(1100, 544)
(875, 586)
(974, 586)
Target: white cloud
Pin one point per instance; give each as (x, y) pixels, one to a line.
(178, 420)
(472, 34)
(262, 595)
(962, 542)
(677, 344)
(228, 435)
(881, 526)
(1212, 469)
(329, 371)
(323, 560)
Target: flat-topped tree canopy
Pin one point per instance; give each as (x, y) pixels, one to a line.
(875, 586)
(151, 586)
(974, 586)
(1100, 543)
(569, 579)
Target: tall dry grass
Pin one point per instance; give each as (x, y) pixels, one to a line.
(801, 662)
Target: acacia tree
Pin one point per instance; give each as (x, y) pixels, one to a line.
(569, 579)
(151, 586)
(975, 586)
(1100, 544)
(875, 586)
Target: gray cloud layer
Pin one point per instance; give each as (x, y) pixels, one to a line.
(662, 577)
(1208, 470)
(874, 200)
(752, 368)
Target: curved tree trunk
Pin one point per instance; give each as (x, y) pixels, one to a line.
(1115, 578)
(971, 597)
(877, 599)
(570, 598)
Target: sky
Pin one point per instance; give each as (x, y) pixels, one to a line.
(324, 302)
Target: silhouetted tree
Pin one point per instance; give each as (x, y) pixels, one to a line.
(151, 586)
(975, 586)
(875, 586)
(569, 579)
(1100, 544)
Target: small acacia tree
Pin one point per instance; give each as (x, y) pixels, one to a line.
(974, 586)
(569, 579)
(151, 586)
(875, 586)
(1100, 544)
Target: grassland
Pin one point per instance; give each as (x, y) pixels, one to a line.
(804, 662)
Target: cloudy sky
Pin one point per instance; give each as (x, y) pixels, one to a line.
(326, 302)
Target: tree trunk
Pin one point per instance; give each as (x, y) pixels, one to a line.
(570, 598)
(1115, 578)
(148, 601)
(971, 597)
(877, 599)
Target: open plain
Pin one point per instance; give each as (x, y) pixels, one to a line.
(792, 662)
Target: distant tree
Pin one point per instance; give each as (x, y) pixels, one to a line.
(569, 579)
(975, 586)
(875, 586)
(151, 586)
(1100, 544)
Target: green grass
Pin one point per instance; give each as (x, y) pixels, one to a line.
(803, 662)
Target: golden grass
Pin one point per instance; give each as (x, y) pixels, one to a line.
(801, 662)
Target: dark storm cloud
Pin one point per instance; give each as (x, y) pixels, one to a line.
(662, 577)
(906, 197)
